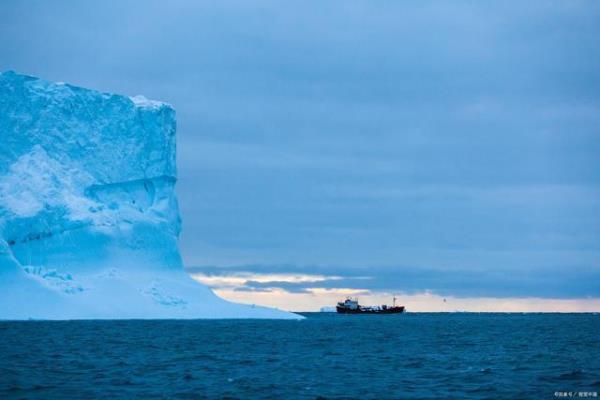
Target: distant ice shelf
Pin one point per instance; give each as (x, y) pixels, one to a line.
(88, 215)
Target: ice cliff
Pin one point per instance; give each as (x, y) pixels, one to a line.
(88, 213)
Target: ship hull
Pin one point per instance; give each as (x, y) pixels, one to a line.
(390, 310)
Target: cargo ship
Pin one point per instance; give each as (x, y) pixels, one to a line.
(350, 306)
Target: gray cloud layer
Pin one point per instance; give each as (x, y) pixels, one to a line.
(549, 282)
(458, 135)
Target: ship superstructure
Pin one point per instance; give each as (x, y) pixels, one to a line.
(351, 306)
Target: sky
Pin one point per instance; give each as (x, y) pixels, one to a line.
(444, 152)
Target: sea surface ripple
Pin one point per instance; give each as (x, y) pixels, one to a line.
(325, 356)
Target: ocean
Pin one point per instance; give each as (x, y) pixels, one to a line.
(325, 356)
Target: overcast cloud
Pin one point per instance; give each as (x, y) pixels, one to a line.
(443, 146)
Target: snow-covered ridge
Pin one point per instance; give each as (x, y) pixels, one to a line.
(88, 213)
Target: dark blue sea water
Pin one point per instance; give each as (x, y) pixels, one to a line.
(433, 356)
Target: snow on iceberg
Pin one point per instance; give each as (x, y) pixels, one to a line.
(88, 214)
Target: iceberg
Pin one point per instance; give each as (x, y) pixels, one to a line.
(89, 222)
